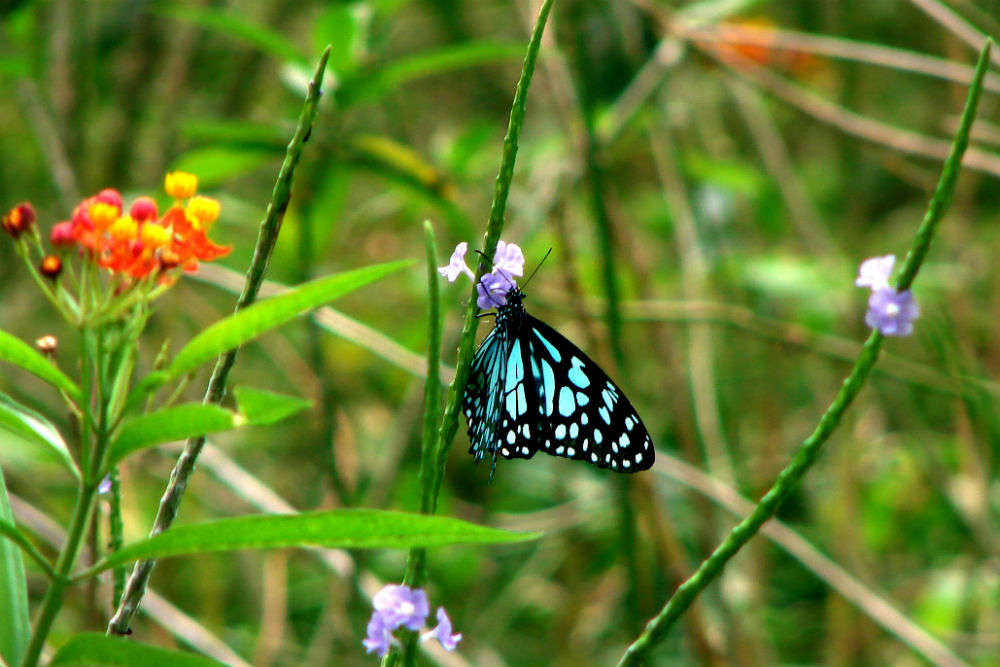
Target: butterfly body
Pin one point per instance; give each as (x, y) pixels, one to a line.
(530, 389)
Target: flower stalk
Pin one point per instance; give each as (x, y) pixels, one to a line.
(809, 452)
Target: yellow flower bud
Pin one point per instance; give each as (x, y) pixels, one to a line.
(123, 229)
(180, 184)
(153, 235)
(102, 214)
(203, 209)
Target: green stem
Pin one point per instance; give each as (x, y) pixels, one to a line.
(809, 452)
(416, 561)
(449, 421)
(64, 565)
(267, 237)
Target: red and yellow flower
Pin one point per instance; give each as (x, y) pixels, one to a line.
(139, 244)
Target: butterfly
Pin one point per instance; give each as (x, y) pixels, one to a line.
(530, 389)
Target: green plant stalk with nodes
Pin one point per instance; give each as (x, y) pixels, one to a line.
(809, 452)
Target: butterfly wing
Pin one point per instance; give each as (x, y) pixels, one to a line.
(580, 413)
(483, 391)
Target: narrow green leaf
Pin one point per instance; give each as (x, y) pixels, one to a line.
(342, 27)
(14, 623)
(176, 423)
(251, 322)
(261, 407)
(92, 649)
(235, 25)
(18, 352)
(33, 428)
(218, 164)
(343, 528)
(379, 80)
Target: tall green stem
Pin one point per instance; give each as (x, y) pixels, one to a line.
(809, 452)
(52, 603)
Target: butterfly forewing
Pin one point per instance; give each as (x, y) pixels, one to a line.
(583, 414)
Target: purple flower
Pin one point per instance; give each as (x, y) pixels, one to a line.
(401, 605)
(457, 264)
(379, 636)
(874, 272)
(892, 312)
(509, 259)
(493, 288)
(105, 486)
(442, 632)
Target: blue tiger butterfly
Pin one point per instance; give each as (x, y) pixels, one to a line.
(530, 389)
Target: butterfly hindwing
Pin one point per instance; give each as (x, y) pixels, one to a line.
(582, 413)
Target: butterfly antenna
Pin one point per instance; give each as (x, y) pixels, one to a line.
(537, 267)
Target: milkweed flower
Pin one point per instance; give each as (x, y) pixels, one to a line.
(889, 311)
(134, 250)
(397, 607)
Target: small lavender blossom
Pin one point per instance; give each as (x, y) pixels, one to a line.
(874, 272)
(509, 259)
(442, 632)
(493, 288)
(892, 312)
(105, 486)
(457, 264)
(401, 605)
(379, 636)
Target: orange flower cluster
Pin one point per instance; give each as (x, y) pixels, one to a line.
(139, 243)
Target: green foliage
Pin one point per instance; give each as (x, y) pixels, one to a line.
(20, 353)
(25, 424)
(720, 194)
(14, 629)
(92, 649)
(344, 529)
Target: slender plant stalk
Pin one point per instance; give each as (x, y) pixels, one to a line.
(449, 421)
(809, 452)
(416, 572)
(54, 596)
(116, 531)
(267, 237)
(437, 439)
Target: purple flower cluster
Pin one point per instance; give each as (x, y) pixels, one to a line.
(404, 607)
(508, 261)
(889, 311)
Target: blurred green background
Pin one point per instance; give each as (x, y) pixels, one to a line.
(743, 158)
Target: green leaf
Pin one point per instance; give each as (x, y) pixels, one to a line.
(343, 528)
(14, 626)
(92, 649)
(36, 430)
(18, 352)
(342, 26)
(234, 25)
(169, 424)
(218, 164)
(377, 81)
(244, 326)
(264, 407)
